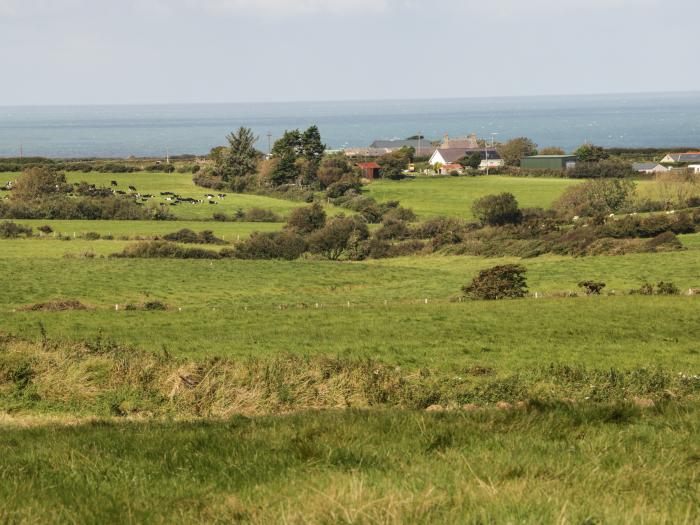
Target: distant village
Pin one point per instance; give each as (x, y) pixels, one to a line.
(449, 156)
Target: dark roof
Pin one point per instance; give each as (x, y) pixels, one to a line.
(454, 154)
(643, 166)
(398, 144)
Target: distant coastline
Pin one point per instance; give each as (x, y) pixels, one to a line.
(616, 120)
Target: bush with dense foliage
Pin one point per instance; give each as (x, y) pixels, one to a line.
(307, 219)
(497, 210)
(592, 287)
(188, 236)
(164, 250)
(11, 230)
(286, 245)
(595, 198)
(500, 282)
(604, 169)
(338, 236)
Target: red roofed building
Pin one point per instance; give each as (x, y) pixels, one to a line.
(370, 170)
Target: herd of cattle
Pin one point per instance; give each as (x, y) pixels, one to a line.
(173, 199)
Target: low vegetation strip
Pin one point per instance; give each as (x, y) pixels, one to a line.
(106, 379)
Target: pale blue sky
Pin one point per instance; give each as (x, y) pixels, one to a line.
(148, 51)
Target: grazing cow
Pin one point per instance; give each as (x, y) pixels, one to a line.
(132, 188)
(114, 183)
(222, 195)
(212, 202)
(120, 192)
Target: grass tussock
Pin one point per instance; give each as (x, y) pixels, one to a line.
(107, 379)
(56, 305)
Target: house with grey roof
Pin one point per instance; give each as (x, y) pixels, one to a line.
(649, 167)
(423, 147)
(681, 158)
(489, 156)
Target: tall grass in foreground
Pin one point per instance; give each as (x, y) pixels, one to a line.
(106, 379)
(566, 464)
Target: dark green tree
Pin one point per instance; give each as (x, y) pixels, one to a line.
(393, 164)
(591, 153)
(241, 157)
(497, 210)
(472, 161)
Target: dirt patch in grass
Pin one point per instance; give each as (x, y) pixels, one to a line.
(57, 305)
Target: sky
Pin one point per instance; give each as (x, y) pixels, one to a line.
(204, 51)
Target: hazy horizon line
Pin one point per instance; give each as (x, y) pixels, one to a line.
(348, 101)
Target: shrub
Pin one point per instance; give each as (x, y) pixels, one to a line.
(39, 182)
(45, 229)
(190, 237)
(500, 282)
(272, 245)
(307, 219)
(392, 229)
(592, 287)
(663, 288)
(497, 210)
(666, 241)
(604, 169)
(164, 250)
(645, 289)
(91, 236)
(342, 187)
(401, 214)
(338, 236)
(595, 198)
(11, 230)
(154, 306)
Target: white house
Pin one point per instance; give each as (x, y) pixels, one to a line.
(649, 167)
(695, 168)
(489, 156)
(681, 158)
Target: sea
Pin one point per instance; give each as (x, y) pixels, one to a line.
(619, 120)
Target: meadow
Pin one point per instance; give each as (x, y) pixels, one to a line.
(601, 392)
(454, 196)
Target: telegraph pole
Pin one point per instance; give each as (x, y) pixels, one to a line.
(269, 143)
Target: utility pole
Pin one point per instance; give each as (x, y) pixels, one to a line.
(269, 143)
(167, 155)
(21, 151)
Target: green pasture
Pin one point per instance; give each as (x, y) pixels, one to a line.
(454, 196)
(181, 184)
(580, 465)
(262, 308)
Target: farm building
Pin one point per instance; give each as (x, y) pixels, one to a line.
(681, 158)
(548, 162)
(649, 167)
(370, 170)
(489, 156)
(695, 168)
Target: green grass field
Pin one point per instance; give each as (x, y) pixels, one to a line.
(83, 440)
(596, 465)
(134, 229)
(454, 196)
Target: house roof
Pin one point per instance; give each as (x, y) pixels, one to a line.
(369, 165)
(398, 144)
(690, 156)
(644, 166)
(452, 167)
(451, 155)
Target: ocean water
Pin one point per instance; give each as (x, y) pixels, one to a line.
(634, 120)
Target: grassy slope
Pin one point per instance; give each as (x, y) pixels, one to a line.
(593, 465)
(154, 183)
(453, 196)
